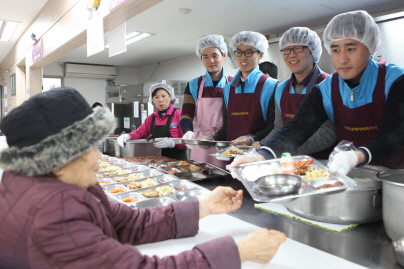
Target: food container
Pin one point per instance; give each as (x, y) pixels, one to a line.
(245, 173)
(139, 147)
(109, 146)
(197, 142)
(393, 201)
(278, 184)
(357, 204)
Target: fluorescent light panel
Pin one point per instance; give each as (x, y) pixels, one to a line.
(9, 28)
(134, 37)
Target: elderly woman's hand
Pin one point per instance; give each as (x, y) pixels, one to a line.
(220, 200)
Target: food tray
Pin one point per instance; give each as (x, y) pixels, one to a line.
(305, 188)
(193, 192)
(219, 154)
(158, 179)
(198, 142)
(207, 171)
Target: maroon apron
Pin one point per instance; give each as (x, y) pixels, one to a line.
(360, 125)
(244, 112)
(290, 103)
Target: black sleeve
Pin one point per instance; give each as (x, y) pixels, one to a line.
(222, 133)
(310, 116)
(270, 121)
(390, 138)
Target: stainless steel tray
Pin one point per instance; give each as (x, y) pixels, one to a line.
(219, 154)
(133, 168)
(306, 188)
(207, 171)
(193, 192)
(198, 142)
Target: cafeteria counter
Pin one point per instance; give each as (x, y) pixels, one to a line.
(366, 244)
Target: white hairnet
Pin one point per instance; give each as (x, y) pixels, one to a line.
(356, 25)
(216, 41)
(257, 40)
(164, 86)
(302, 36)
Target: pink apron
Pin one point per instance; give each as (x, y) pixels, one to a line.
(207, 121)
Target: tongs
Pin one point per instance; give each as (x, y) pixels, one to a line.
(150, 137)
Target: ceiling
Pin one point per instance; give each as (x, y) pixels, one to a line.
(176, 34)
(23, 11)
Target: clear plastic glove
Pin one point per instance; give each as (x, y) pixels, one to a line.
(343, 158)
(164, 142)
(123, 138)
(257, 145)
(189, 135)
(260, 246)
(246, 140)
(343, 162)
(249, 157)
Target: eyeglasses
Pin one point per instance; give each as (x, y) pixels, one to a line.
(298, 49)
(247, 53)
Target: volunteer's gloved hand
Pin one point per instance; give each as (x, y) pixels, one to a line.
(189, 135)
(123, 138)
(164, 142)
(245, 140)
(249, 157)
(260, 246)
(257, 145)
(343, 162)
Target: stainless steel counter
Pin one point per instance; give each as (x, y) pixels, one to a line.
(366, 244)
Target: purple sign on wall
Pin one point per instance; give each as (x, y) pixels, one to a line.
(37, 51)
(114, 3)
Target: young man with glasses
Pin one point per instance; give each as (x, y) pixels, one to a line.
(203, 97)
(363, 99)
(301, 51)
(248, 111)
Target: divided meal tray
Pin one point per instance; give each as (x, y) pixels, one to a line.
(305, 189)
(207, 171)
(198, 142)
(219, 154)
(193, 191)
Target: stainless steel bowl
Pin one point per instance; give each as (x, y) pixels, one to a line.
(398, 247)
(278, 184)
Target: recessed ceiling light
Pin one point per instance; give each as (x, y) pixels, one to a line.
(7, 29)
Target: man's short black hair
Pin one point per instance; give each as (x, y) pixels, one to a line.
(269, 68)
(97, 104)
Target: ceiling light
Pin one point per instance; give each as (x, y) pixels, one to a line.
(7, 29)
(134, 37)
(184, 11)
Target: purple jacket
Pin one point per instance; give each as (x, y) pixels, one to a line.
(45, 223)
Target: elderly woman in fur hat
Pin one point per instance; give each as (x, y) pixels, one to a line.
(55, 214)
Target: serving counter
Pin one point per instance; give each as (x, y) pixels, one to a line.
(366, 244)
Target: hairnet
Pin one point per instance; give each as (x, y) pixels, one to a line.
(164, 86)
(216, 41)
(356, 25)
(302, 36)
(257, 40)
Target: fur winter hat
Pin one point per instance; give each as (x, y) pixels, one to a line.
(50, 129)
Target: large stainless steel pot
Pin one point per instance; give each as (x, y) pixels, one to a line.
(108, 145)
(393, 202)
(139, 147)
(359, 204)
